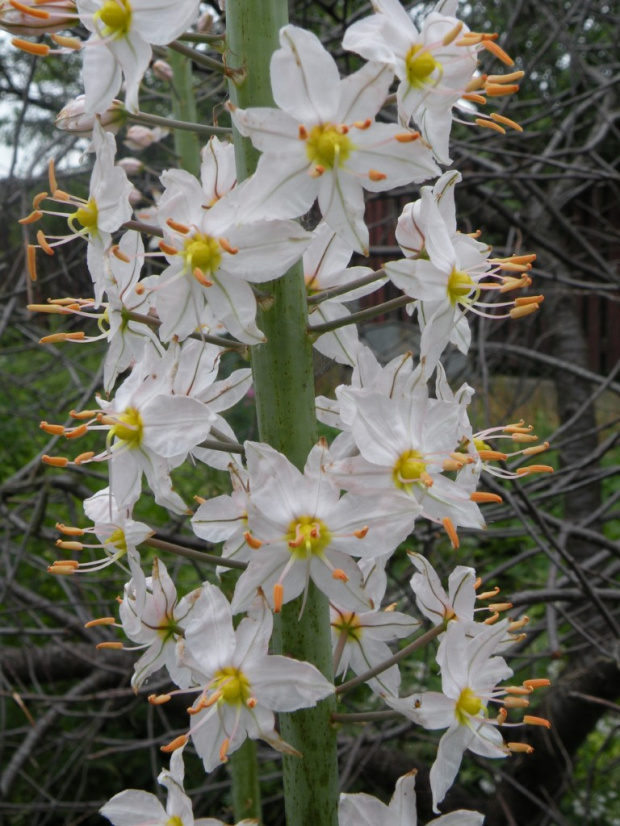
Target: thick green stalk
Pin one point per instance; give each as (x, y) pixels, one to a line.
(245, 782)
(186, 144)
(284, 387)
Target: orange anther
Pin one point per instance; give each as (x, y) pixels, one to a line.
(278, 597)
(317, 171)
(39, 49)
(303, 133)
(537, 682)
(523, 748)
(69, 546)
(118, 253)
(496, 50)
(475, 98)
(509, 78)
(499, 90)
(227, 246)
(84, 457)
(481, 497)
(101, 621)
(55, 461)
(449, 528)
(224, 750)
(60, 195)
(72, 43)
(38, 198)
(158, 699)
(536, 721)
(507, 121)
(490, 124)
(201, 278)
(361, 533)
(522, 438)
(76, 432)
(363, 124)
(175, 744)
(32, 218)
(51, 173)
(529, 299)
(515, 702)
(69, 530)
(167, 249)
(500, 606)
(492, 455)
(453, 34)
(177, 227)
(43, 243)
(112, 646)
(254, 543)
(338, 573)
(41, 14)
(52, 429)
(476, 83)
(488, 594)
(407, 137)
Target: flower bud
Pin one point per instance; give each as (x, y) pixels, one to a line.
(135, 196)
(141, 137)
(46, 17)
(131, 166)
(73, 118)
(162, 70)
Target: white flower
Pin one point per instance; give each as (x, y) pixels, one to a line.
(151, 432)
(158, 626)
(241, 684)
(120, 43)
(212, 259)
(403, 446)
(469, 675)
(431, 599)
(365, 810)
(325, 267)
(434, 70)
(137, 808)
(323, 142)
(360, 642)
(301, 529)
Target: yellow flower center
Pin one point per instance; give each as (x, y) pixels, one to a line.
(467, 704)
(117, 538)
(175, 820)
(480, 444)
(87, 215)
(233, 684)
(328, 146)
(408, 469)
(349, 624)
(129, 428)
(202, 252)
(420, 65)
(307, 535)
(459, 286)
(116, 17)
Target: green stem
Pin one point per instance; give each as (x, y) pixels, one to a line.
(362, 315)
(243, 767)
(186, 143)
(284, 388)
(182, 125)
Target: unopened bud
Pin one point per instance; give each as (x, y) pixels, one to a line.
(162, 70)
(73, 118)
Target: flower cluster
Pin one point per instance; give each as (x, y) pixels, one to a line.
(405, 448)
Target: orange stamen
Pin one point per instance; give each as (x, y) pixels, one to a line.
(492, 456)
(43, 243)
(522, 311)
(69, 546)
(536, 721)
(167, 249)
(113, 646)
(509, 78)
(227, 246)
(101, 621)
(175, 744)
(39, 49)
(118, 253)
(361, 533)
(482, 497)
(55, 461)
(41, 14)
(278, 597)
(523, 748)
(76, 432)
(498, 90)
(201, 278)
(407, 137)
(177, 227)
(158, 699)
(496, 50)
(72, 43)
(84, 457)
(254, 543)
(449, 528)
(51, 173)
(338, 573)
(490, 124)
(52, 429)
(507, 122)
(475, 98)
(32, 218)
